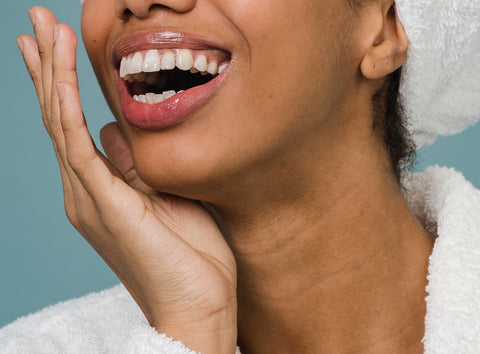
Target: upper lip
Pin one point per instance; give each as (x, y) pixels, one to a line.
(165, 39)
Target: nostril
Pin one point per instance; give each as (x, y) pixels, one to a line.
(178, 6)
(122, 10)
(127, 13)
(159, 6)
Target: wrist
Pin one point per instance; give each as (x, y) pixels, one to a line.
(214, 333)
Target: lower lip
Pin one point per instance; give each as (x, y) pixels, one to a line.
(169, 112)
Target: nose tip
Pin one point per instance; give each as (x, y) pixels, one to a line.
(142, 8)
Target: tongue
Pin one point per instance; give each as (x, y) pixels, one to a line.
(172, 80)
(141, 88)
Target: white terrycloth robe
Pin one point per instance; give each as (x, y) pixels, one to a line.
(447, 205)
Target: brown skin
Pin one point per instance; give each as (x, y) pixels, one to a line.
(328, 255)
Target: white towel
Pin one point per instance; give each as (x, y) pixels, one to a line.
(449, 207)
(441, 78)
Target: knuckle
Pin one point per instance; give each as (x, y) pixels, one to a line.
(72, 215)
(75, 162)
(55, 133)
(82, 223)
(87, 224)
(43, 54)
(79, 164)
(34, 77)
(55, 129)
(78, 216)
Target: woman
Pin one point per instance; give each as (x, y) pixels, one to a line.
(251, 193)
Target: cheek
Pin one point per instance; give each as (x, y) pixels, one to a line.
(97, 22)
(296, 67)
(94, 23)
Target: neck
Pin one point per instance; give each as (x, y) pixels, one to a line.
(339, 269)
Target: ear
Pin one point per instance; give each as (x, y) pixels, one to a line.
(388, 51)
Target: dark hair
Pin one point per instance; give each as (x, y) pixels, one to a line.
(390, 120)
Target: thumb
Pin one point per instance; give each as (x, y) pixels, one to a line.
(118, 152)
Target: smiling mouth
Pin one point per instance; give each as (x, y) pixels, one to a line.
(156, 75)
(166, 77)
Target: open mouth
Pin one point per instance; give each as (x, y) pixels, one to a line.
(157, 75)
(166, 77)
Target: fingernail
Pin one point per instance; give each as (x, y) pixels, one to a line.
(33, 17)
(55, 33)
(20, 44)
(60, 90)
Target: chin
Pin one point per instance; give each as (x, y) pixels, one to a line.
(182, 172)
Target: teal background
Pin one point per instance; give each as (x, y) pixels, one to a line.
(42, 258)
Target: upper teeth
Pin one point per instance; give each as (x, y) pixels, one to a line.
(157, 60)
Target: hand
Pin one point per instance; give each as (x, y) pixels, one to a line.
(167, 251)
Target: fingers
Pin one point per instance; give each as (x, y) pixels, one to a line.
(29, 49)
(80, 153)
(92, 176)
(64, 54)
(43, 22)
(50, 58)
(63, 68)
(38, 54)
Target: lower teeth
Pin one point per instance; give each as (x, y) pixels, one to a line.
(153, 98)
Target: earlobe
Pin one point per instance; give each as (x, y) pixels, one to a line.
(379, 62)
(389, 51)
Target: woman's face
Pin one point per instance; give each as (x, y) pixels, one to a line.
(288, 70)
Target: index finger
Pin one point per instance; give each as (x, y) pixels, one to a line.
(63, 69)
(43, 22)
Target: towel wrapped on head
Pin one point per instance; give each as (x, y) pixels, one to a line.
(440, 85)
